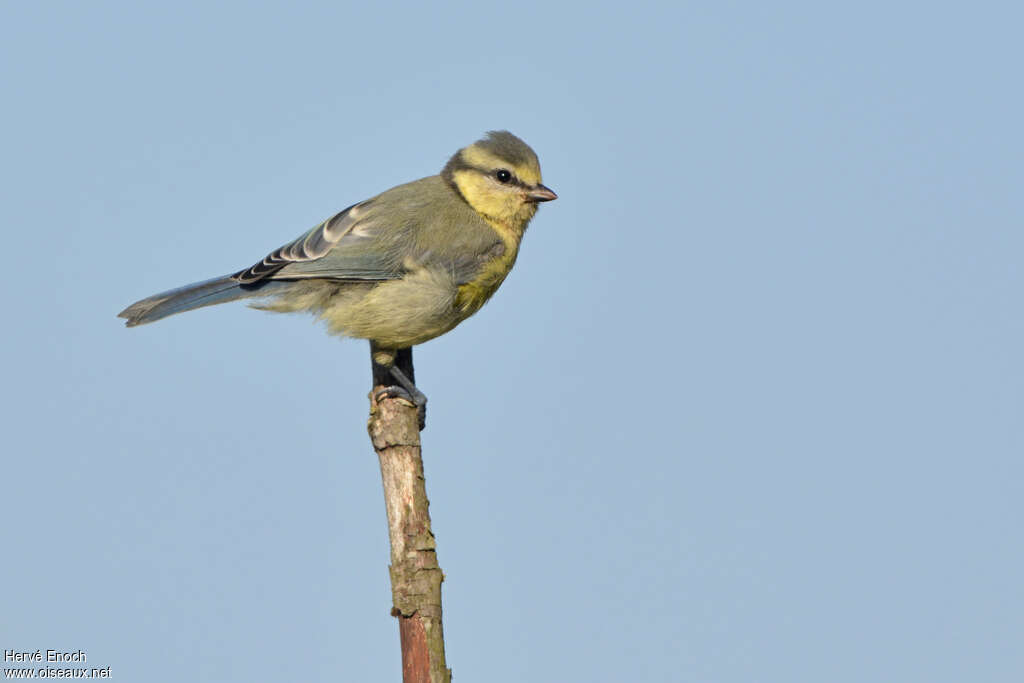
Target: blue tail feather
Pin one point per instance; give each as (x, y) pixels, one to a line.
(196, 295)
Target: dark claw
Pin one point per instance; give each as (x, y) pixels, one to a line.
(417, 399)
(393, 391)
(421, 413)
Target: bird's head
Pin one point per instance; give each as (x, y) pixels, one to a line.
(499, 176)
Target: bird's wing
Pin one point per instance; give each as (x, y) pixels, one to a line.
(421, 224)
(349, 237)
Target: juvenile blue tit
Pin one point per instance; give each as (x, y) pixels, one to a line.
(397, 269)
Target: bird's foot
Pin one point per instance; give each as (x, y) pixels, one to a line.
(414, 397)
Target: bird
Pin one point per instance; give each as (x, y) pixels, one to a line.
(398, 269)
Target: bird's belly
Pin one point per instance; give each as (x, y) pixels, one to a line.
(398, 313)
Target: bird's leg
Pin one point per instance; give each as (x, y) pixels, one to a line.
(390, 366)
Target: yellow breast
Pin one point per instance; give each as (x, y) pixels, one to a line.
(475, 294)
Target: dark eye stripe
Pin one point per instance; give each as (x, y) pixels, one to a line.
(514, 181)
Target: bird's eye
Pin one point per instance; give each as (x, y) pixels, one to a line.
(503, 175)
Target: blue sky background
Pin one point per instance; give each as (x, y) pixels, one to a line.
(749, 408)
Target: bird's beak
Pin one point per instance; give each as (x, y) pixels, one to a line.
(539, 193)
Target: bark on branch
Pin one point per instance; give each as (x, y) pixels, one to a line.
(415, 575)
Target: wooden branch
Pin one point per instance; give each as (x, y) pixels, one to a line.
(415, 575)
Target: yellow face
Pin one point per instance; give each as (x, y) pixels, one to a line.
(502, 190)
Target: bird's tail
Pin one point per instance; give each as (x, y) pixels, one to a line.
(198, 294)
